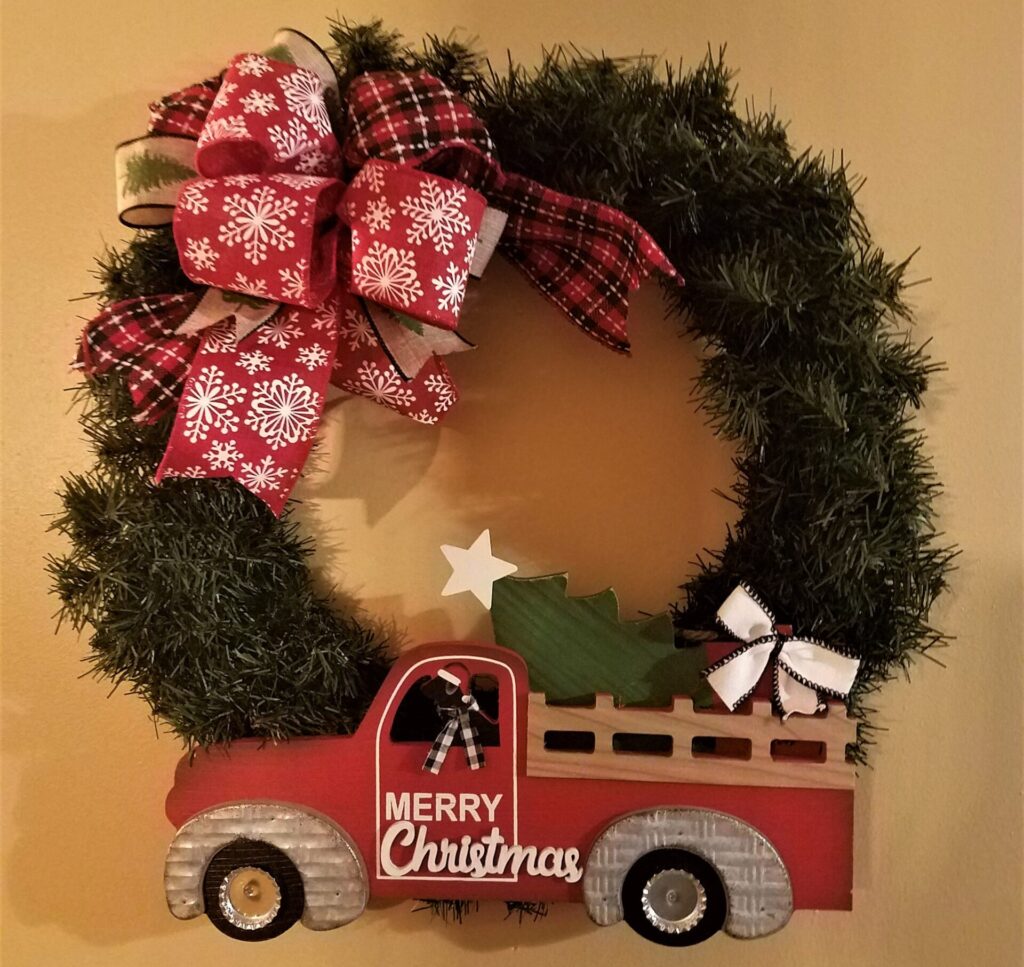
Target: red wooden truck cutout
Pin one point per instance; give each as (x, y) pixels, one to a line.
(681, 822)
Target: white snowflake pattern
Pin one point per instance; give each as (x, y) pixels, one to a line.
(265, 475)
(304, 92)
(192, 198)
(293, 281)
(299, 182)
(224, 93)
(381, 386)
(255, 361)
(240, 181)
(187, 473)
(232, 126)
(209, 404)
(200, 253)
(221, 338)
(470, 252)
(258, 221)
(291, 140)
(313, 356)
(256, 287)
(223, 455)
(436, 214)
(255, 65)
(451, 288)
(283, 411)
(259, 102)
(325, 314)
(443, 390)
(387, 273)
(278, 332)
(371, 175)
(378, 215)
(357, 330)
(424, 417)
(314, 161)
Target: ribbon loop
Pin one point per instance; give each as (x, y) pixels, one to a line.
(803, 670)
(268, 116)
(409, 118)
(413, 239)
(744, 615)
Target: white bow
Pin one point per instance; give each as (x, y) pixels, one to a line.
(804, 668)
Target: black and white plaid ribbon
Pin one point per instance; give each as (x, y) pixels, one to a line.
(458, 722)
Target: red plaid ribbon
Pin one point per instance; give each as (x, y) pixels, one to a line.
(262, 222)
(139, 337)
(586, 257)
(184, 112)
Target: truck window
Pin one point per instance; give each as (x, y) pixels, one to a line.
(416, 719)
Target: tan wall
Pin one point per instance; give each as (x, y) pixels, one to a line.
(925, 98)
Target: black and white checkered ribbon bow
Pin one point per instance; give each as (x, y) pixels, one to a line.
(458, 721)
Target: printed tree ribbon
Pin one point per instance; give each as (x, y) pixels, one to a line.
(330, 263)
(803, 669)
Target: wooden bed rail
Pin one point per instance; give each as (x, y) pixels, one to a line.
(682, 744)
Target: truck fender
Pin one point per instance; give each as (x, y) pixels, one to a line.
(333, 873)
(754, 876)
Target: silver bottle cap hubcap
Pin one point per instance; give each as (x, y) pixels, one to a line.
(249, 898)
(674, 901)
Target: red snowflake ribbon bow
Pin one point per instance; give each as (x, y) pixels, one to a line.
(324, 261)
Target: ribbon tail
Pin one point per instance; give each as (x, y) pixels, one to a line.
(585, 257)
(442, 743)
(471, 740)
(140, 338)
(364, 368)
(251, 412)
(735, 677)
(794, 697)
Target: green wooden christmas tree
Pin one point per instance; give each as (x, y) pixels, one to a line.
(575, 647)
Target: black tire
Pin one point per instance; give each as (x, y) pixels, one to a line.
(697, 921)
(272, 874)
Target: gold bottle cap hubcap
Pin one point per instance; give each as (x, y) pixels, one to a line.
(249, 898)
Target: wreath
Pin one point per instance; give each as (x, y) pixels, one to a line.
(199, 595)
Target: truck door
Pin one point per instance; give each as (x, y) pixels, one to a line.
(437, 826)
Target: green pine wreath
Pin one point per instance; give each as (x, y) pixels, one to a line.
(202, 602)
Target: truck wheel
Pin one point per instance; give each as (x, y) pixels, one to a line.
(674, 898)
(252, 891)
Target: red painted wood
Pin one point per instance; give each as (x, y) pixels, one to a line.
(338, 776)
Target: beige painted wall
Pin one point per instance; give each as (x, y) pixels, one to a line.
(925, 98)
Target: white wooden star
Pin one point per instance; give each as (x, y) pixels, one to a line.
(475, 569)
